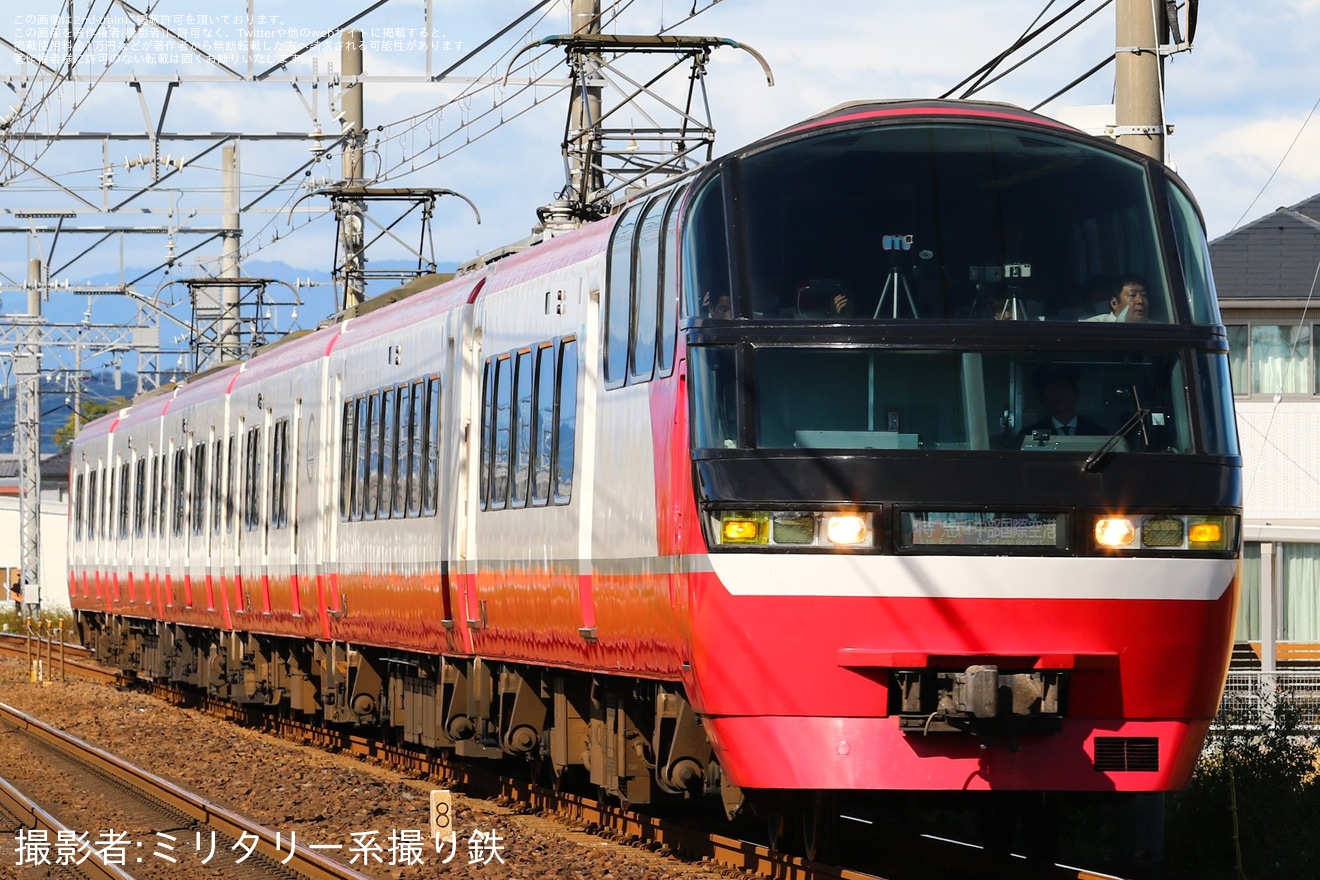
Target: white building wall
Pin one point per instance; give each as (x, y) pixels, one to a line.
(1281, 461)
(53, 591)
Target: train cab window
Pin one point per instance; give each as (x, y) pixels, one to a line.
(943, 222)
(1194, 256)
(566, 421)
(521, 455)
(431, 478)
(669, 288)
(618, 298)
(706, 252)
(941, 400)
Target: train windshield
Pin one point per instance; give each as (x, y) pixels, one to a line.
(945, 222)
(795, 397)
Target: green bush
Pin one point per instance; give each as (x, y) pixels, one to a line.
(1252, 809)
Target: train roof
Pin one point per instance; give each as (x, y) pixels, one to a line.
(925, 109)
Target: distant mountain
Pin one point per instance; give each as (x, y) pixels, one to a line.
(57, 406)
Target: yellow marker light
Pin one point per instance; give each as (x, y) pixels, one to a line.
(845, 528)
(740, 531)
(1114, 532)
(1205, 533)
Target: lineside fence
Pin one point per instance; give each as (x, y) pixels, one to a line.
(1251, 696)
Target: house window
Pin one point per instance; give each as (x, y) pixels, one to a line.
(1270, 358)
(1300, 575)
(1247, 628)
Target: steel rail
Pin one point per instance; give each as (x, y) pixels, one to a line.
(33, 816)
(306, 862)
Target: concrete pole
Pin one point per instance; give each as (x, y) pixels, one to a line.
(229, 334)
(1138, 76)
(351, 210)
(27, 443)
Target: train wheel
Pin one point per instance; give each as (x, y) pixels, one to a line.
(819, 819)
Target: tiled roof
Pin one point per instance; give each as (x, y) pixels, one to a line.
(1275, 257)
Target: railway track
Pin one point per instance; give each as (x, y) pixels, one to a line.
(902, 855)
(153, 826)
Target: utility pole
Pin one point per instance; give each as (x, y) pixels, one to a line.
(351, 230)
(584, 105)
(228, 329)
(1139, 76)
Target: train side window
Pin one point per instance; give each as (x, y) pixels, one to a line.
(431, 488)
(347, 444)
(566, 421)
(618, 295)
(359, 480)
(124, 486)
(646, 280)
(279, 474)
(487, 424)
(180, 495)
(669, 288)
(79, 505)
(499, 464)
(139, 496)
(231, 478)
(252, 480)
(153, 504)
(91, 503)
(544, 431)
(521, 455)
(389, 452)
(108, 516)
(418, 418)
(163, 497)
(406, 428)
(373, 456)
(217, 485)
(200, 491)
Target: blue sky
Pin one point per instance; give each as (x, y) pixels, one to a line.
(1238, 101)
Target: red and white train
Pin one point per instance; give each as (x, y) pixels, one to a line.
(769, 481)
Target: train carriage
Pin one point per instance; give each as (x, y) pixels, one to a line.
(892, 452)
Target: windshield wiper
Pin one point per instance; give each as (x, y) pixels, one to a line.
(1094, 460)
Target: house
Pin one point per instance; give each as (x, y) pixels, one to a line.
(1268, 277)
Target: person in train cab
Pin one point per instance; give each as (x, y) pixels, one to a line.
(1130, 303)
(720, 306)
(1058, 392)
(823, 299)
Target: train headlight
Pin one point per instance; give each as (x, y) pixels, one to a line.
(847, 529)
(1167, 531)
(792, 529)
(1114, 532)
